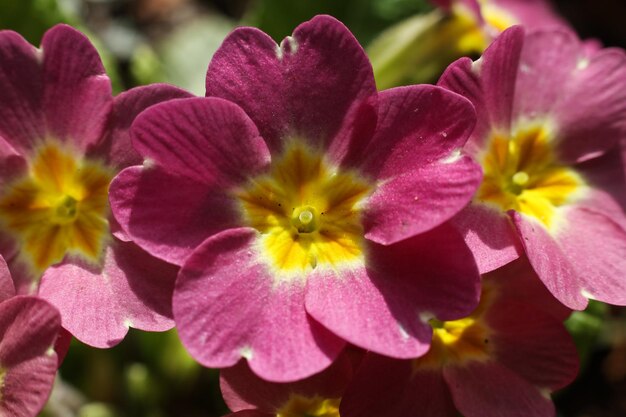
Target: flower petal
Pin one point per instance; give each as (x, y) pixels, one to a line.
(207, 140)
(596, 247)
(29, 327)
(7, 289)
(546, 62)
(383, 306)
(550, 262)
(417, 125)
(126, 107)
(517, 281)
(314, 86)
(131, 289)
(242, 389)
(245, 312)
(489, 84)
(386, 387)
(538, 347)
(77, 92)
(21, 117)
(491, 390)
(420, 200)
(591, 116)
(490, 236)
(168, 216)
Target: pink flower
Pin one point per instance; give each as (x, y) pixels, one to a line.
(62, 139)
(29, 327)
(307, 210)
(550, 116)
(501, 361)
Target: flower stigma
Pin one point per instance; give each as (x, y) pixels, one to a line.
(59, 206)
(306, 211)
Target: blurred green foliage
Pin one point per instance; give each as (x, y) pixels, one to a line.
(365, 18)
(31, 18)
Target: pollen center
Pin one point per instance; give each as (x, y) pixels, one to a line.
(59, 206)
(457, 342)
(306, 210)
(300, 406)
(522, 173)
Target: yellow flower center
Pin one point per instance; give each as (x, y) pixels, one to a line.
(522, 173)
(457, 342)
(60, 206)
(299, 406)
(307, 212)
(472, 38)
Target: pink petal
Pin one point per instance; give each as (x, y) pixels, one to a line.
(317, 85)
(606, 177)
(532, 13)
(596, 247)
(550, 261)
(591, 115)
(250, 413)
(417, 125)
(21, 118)
(461, 78)
(386, 387)
(420, 200)
(207, 140)
(7, 289)
(126, 107)
(245, 312)
(546, 63)
(518, 281)
(490, 236)
(242, 389)
(533, 344)
(492, 390)
(29, 327)
(98, 305)
(26, 387)
(378, 307)
(169, 216)
(489, 84)
(76, 91)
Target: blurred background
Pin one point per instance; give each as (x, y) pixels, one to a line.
(146, 41)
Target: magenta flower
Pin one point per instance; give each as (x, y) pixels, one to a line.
(307, 210)
(28, 363)
(62, 139)
(316, 396)
(502, 361)
(550, 115)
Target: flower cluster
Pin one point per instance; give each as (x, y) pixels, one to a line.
(339, 250)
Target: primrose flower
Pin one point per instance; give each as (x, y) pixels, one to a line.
(62, 139)
(316, 396)
(307, 210)
(28, 363)
(419, 48)
(550, 117)
(503, 360)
